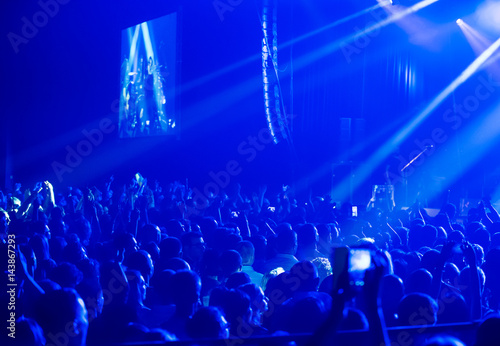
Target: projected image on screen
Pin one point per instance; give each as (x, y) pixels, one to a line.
(147, 100)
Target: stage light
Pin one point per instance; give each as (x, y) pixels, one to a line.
(365, 170)
(478, 140)
(381, 3)
(460, 21)
(477, 40)
(346, 41)
(253, 58)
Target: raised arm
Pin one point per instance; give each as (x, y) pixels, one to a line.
(475, 289)
(495, 217)
(29, 290)
(28, 201)
(396, 239)
(49, 201)
(485, 219)
(437, 274)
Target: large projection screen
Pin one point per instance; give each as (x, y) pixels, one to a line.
(148, 79)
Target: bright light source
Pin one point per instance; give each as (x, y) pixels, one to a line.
(460, 21)
(365, 170)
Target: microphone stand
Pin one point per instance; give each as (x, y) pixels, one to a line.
(403, 170)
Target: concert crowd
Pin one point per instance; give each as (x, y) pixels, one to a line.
(152, 262)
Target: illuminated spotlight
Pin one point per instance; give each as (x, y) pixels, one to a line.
(419, 29)
(469, 71)
(307, 59)
(339, 44)
(393, 18)
(364, 172)
(477, 41)
(402, 2)
(460, 21)
(474, 35)
(405, 3)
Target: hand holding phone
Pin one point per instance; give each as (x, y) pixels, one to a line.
(350, 267)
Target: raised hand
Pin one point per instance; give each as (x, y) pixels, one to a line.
(108, 184)
(48, 185)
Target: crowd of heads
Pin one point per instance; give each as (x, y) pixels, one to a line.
(142, 263)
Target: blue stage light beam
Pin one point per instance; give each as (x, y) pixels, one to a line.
(243, 89)
(477, 140)
(334, 24)
(341, 191)
(151, 53)
(353, 152)
(258, 56)
(338, 44)
(304, 61)
(477, 41)
(133, 47)
(147, 41)
(420, 30)
(469, 71)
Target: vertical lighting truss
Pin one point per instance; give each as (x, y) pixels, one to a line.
(276, 120)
